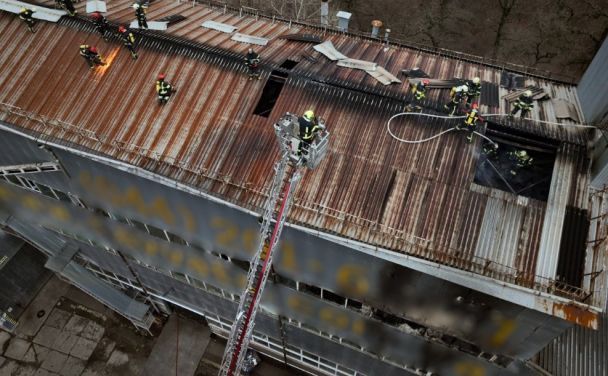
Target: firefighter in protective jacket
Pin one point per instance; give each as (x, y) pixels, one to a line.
(470, 122)
(128, 39)
(27, 15)
(91, 55)
(252, 60)
(163, 89)
(308, 130)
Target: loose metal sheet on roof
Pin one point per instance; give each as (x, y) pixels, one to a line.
(327, 48)
(51, 15)
(564, 109)
(96, 6)
(244, 38)
(357, 64)
(302, 38)
(152, 25)
(224, 28)
(384, 76)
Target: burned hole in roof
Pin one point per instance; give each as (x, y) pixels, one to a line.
(273, 88)
(522, 164)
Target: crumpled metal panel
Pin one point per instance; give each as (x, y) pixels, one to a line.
(384, 76)
(327, 48)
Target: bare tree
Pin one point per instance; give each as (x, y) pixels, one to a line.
(300, 10)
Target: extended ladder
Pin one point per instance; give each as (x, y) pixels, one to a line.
(288, 171)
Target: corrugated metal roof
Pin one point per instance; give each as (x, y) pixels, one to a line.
(417, 199)
(578, 352)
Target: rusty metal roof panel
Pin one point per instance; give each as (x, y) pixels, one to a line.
(417, 199)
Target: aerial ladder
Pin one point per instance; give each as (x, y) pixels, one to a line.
(288, 171)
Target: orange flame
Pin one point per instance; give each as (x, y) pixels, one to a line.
(100, 71)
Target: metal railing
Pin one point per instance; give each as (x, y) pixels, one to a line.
(385, 236)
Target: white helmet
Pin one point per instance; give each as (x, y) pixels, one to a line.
(528, 93)
(476, 80)
(464, 88)
(136, 5)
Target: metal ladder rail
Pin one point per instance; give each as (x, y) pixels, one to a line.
(241, 329)
(261, 282)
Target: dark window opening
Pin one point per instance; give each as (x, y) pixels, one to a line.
(571, 261)
(289, 64)
(388, 318)
(313, 290)
(244, 265)
(46, 191)
(101, 212)
(176, 239)
(353, 304)
(139, 225)
(62, 196)
(156, 232)
(285, 281)
(328, 295)
(500, 168)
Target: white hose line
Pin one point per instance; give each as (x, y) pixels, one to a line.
(388, 127)
(485, 137)
(544, 122)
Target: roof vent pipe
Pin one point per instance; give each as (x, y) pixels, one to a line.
(376, 25)
(324, 12)
(343, 18)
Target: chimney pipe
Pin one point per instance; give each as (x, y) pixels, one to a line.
(324, 12)
(376, 25)
(343, 18)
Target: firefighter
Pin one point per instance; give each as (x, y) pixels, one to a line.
(27, 15)
(91, 55)
(308, 130)
(140, 13)
(67, 6)
(457, 95)
(252, 60)
(163, 89)
(523, 104)
(521, 159)
(419, 90)
(474, 91)
(470, 122)
(490, 150)
(101, 24)
(128, 39)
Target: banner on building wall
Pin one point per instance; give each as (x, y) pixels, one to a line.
(153, 251)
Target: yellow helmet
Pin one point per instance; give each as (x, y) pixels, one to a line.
(309, 115)
(476, 80)
(528, 93)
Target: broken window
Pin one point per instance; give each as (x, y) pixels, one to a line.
(522, 164)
